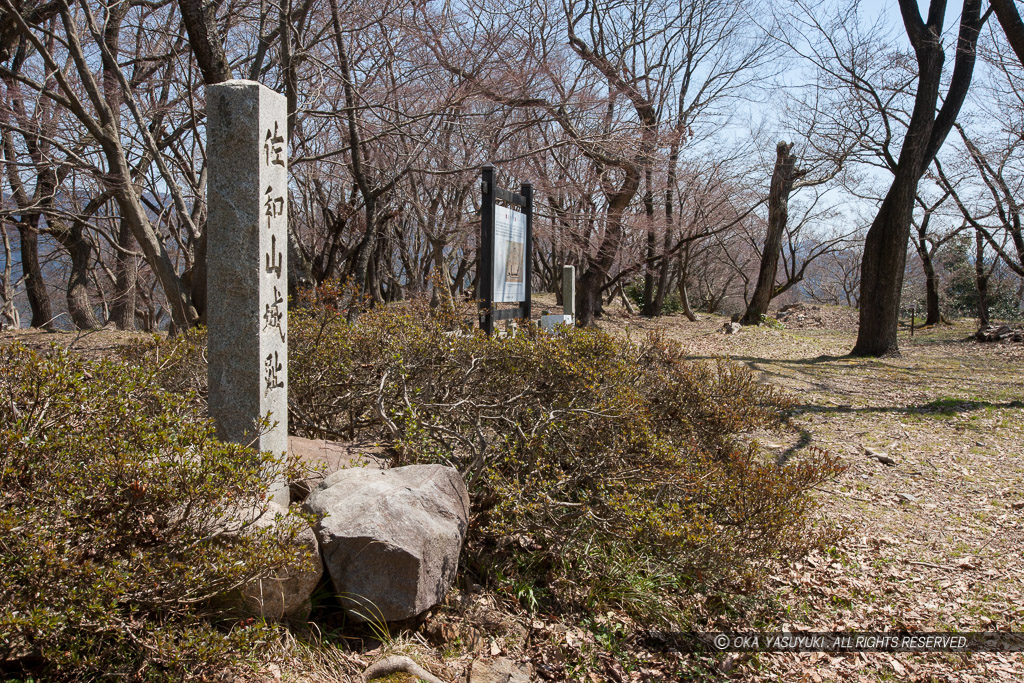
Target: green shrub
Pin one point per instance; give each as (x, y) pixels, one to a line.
(114, 496)
(598, 468)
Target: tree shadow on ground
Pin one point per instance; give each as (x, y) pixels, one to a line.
(941, 406)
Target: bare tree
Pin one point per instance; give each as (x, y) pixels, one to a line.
(928, 241)
(885, 247)
(78, 90)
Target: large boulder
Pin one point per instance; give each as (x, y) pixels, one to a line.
(391, 538)
(285, 595)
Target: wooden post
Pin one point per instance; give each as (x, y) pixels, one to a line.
(527, 191)
(486, 275)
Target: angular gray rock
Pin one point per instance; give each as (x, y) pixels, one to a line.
(285, 595)
(391, 538)
(499, 670)
(731, 328)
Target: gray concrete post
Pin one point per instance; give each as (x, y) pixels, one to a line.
(569, 290)
(247, 246)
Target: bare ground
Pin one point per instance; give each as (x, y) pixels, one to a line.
(947, 554)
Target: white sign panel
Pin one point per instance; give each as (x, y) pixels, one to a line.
(509, 255)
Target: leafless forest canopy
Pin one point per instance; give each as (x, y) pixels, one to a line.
(713, 155)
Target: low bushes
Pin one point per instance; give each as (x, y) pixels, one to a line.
(602, 471)
(114, 495)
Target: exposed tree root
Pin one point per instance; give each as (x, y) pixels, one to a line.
(390, 665)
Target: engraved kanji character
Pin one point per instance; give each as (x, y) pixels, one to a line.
(273, 145)
(274, 266)
(273, 206)
(273, 371)
(273, 316)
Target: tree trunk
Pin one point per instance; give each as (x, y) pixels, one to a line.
(670, 219)
(200, 19)
(885, 257)
(122, 312)
(783, 177)
(981, 278)
(35, 285)
(28, 224)
(1013, 27)
(9, 316)
(588, 295)
(684, 294)
(79, 305)
(931, 284)
(183, 314)
(649, 307)
(885, 249)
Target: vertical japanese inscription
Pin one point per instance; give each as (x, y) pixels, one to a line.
(272, 240)
(247, 310)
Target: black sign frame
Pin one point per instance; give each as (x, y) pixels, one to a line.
(490, 193)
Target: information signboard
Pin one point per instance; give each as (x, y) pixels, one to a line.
(509, 255)
(503, 266)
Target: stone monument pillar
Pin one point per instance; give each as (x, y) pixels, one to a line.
(247, 245)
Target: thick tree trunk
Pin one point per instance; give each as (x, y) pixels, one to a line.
(588, 294)
(200, 19)
(885, 257)
(28, 224)
(35, 285)
(79, 305)
(885, 249)
(783, 177)
(1013, 27)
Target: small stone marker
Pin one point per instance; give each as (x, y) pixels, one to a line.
(568, 317)
(569, 290)
(247, 310)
